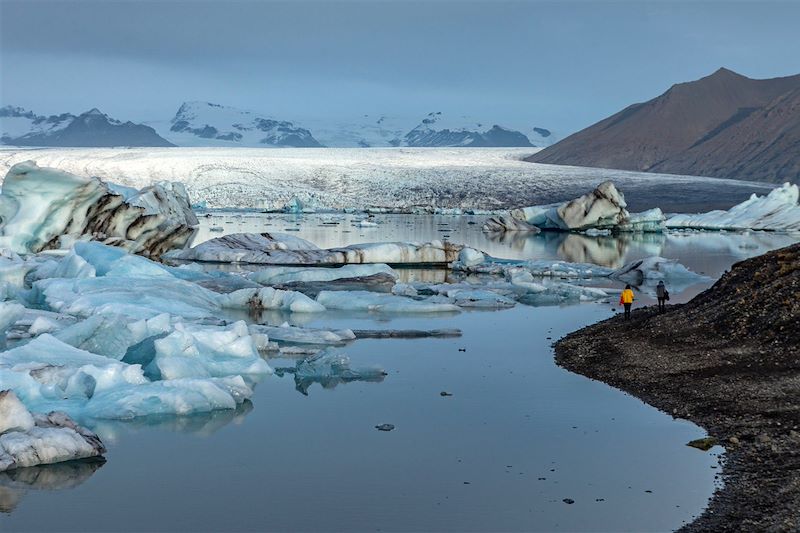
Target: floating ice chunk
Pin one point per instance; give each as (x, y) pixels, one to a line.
(379, 302)
(53, 438)
(603, 208)
(280, 274)
(298, 335)
(192, 351)
(170, 397)
(655, 268)
(330, 370)
(278, 249)
(480, 299)
(44, 208)
(777, 211)
(13, 414)
(269, 298)
(537, 267)
(244, 248)
(468, 257)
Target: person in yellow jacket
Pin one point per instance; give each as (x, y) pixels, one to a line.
(626, 300)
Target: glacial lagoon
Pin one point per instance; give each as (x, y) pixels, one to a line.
(516, 441)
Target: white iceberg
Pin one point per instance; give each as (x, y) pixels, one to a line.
(193, 351)
(26, 440)
(281, 274)
(170, 397)
(602, 209)
(280, 249)
(777, 211)
(270, 298)
(647, 272)
(286, 333)
(45, 208)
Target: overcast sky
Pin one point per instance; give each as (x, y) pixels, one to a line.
(561, 65)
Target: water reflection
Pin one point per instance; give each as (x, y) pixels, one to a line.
(14, 484)
(199, 424)
(709, 252)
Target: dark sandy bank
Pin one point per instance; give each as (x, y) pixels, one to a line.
(729, 361)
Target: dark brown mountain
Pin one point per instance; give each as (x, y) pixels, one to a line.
(724, 125)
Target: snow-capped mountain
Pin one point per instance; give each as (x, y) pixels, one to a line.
(434, 130)
(198, 124)
(20, 127)
(437, 129)
(207, 124)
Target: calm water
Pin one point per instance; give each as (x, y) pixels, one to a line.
(518, 436)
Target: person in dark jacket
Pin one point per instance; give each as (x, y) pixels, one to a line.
(662, 295)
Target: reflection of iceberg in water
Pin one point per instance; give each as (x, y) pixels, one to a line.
(200, 424)
(329, 370)
(605, 250)
(14, 484)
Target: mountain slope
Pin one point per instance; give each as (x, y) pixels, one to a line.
(90, 129)
(716, 126)
(207, 124)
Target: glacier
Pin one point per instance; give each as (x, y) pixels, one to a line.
(390, 179)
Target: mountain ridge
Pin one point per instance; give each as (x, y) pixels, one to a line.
(92, 128)
(711, 127)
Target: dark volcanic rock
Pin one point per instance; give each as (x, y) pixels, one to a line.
(724, 125)
(729, 360)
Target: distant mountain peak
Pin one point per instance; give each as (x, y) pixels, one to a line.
(92, 128)
(201, 123)
(723, 125)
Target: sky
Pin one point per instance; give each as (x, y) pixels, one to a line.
(559, 65)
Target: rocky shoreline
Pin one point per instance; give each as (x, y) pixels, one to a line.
(729, 361)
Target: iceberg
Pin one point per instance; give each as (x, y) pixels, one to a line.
(602, 209)
(192, 351)
(280, 249)
(650, 270)
(777, 211)
(270, 298)
(297, 335)
(45, 208)
(279, 274)
(30, 440)
(171, 397)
